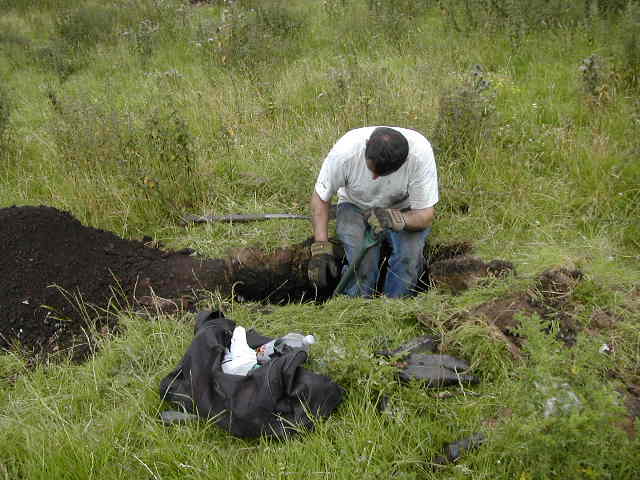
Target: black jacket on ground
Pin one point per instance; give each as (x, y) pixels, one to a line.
(277, 399)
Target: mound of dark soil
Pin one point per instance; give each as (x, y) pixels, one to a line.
(53, 266)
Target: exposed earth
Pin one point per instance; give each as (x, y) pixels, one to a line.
(57, 276)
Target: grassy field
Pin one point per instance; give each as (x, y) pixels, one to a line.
(130, 113)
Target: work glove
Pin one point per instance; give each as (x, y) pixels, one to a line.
(322, 265)
(390, 218)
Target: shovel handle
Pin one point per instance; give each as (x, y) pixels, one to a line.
(371, 239)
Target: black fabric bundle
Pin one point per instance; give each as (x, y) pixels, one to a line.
(276, 399)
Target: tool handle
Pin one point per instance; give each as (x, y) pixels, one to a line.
(371, 239)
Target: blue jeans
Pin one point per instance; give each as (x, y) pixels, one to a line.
(405, 264)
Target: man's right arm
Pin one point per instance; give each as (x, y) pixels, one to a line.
(319, 218)
(322, 265)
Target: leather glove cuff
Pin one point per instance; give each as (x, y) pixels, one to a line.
(321, 248)
(397, 220)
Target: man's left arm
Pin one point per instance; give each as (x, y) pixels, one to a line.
(420, 219)
(410, 220)
(423, 190)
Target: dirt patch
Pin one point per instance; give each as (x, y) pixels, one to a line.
(57, 276)
(549, 299)
(603, 320)
(461, 272)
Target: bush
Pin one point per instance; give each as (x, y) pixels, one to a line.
(630, 56)
(168, 167)
(150, 163)
(394, 18)
(86, 26)
(464, 114)
(596, 79)
(59, 58)
(249, 34)
(170, 145)
(93, 139)
(515, 16)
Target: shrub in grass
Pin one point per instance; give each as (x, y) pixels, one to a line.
(612, 7)
(515, 16)
(169, 164)
(86, 26)
(144, 37)
(91, 137)
(357, 89)
(464, 114)
(149, 162)
(394, 18)
(277, 19)
(335, 8)
(59, 58)
(250, 33)
(630, 52)
(596, 79)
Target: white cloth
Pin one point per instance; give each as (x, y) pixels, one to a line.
(240, 358)
(344, 171)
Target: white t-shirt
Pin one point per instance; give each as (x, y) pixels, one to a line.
(344, 171)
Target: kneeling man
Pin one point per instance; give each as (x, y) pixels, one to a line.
(386, 172)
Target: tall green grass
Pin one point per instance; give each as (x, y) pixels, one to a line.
(100, 418)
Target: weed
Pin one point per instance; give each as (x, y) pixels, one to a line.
(144, 37)
(464, 114)
(591, 293)
(168, 171)
(630, 55)
(170, 142)
(612, 7)
(517, 17)
(59, 58)
(250, 33)
(596, 79)
(394, 18)
(91, 138)
(86, 26)
(335, 8)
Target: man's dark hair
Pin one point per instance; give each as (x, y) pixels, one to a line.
(387, 150)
